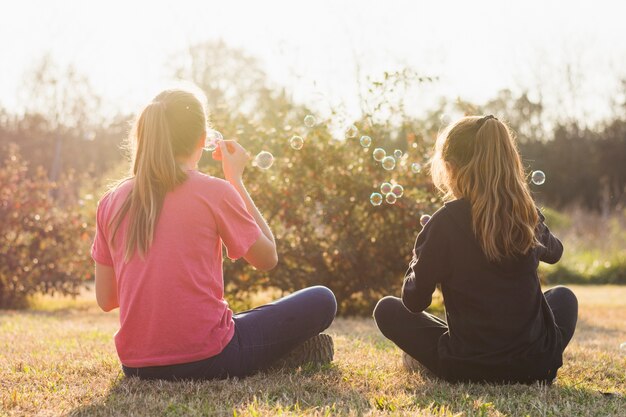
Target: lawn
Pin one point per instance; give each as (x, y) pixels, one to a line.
(58, 358)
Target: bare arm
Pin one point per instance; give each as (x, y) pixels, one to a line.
(253, 210)
(106, 287)
(262, 254)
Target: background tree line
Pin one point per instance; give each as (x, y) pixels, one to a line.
(59, 156)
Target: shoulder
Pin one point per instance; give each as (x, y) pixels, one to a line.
(444, 221)
(458, 205)
(444, 213)
(433, 229)
(198, 179)
(209, 185)
(115, 191)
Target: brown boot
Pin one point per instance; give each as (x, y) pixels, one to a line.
(318, 350)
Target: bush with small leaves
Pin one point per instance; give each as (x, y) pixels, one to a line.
(44, 247)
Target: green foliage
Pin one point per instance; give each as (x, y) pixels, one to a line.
(316, 199)
(43, 247)
(556, 219)
(594, 247)
(591, 272)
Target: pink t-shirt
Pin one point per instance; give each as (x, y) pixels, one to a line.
(172, 307)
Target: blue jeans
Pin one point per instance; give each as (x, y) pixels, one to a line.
(262, 336)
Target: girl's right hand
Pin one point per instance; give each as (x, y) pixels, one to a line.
(234, 159)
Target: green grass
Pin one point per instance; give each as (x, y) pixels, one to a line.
(59, 359)
(594, 248)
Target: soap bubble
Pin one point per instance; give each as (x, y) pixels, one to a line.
(622, 348)
(263, 160)
(296, 142)
(389, 163)
(385, 188)
(391, 198)
(424, 219)
(397, 153)
(351, 132)
(309, 120)
(445, 119)
(365, 141)
(379, 154)
(376, 199)
(416, 167)
(538, 177)
(211, 140)
(397, 190)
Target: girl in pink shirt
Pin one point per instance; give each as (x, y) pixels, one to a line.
(158, 254)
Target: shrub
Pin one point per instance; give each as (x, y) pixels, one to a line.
(598, 272)
(43, 246)
(556, 220)
(316, 199)
(317, 202)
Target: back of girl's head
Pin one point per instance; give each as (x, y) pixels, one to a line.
(477, 159)
(168, 128)
(167, 131)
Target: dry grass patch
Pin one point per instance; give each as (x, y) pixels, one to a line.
(59, 359)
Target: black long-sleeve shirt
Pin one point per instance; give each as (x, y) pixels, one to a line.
(500, 325)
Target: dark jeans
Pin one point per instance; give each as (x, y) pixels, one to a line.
(418, 334)
(262, 336)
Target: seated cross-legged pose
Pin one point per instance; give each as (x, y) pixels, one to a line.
(158, 254)
(482, 248)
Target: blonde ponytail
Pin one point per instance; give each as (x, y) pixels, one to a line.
(167, 128)
(477, 159)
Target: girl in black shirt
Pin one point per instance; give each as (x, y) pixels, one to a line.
(482, 248)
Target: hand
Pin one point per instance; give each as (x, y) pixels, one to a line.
(217, 153)
(234, 159)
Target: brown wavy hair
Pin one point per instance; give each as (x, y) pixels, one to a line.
(477, 159)
(167, 129)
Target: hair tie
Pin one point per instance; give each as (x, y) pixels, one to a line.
(484, 119)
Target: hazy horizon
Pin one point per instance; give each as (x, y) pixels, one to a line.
(475, 49)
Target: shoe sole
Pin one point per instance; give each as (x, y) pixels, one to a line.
(318, 350)
(412, 365)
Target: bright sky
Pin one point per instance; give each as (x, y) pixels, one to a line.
(475, 47)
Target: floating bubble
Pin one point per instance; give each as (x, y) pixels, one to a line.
(389, 163)
(391, 198)
(424, 219)
(397, 190)
(622, 348)
(416, 167)
(397, 153)
(351, 132)
(444, 119)
(296, 142)
(538, 177)
(211, 140)
(376, 199)
(385, 188)
(365, 141)
(379, 154)
(309, 120)
(264, 160)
